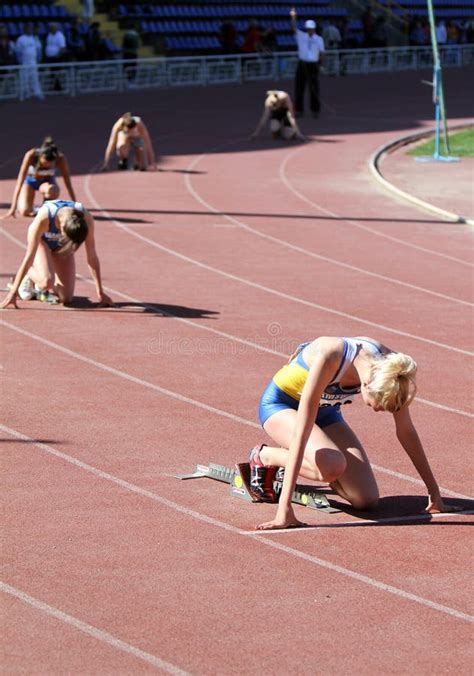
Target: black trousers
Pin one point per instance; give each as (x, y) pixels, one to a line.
(307, 74)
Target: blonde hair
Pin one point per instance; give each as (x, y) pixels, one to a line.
(393, 381)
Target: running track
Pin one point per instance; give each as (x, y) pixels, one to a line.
(219, 263)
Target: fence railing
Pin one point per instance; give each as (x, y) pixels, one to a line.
(76, 78)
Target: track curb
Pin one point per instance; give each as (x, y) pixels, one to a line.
(378, 175)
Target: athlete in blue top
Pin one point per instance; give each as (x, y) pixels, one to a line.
(58, 229)
(38, 173)
(300, 410)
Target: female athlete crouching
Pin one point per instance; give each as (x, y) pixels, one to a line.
(301, 411)
(57, 231)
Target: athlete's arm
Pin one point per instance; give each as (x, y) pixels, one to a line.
(111, 145)
(35, 230)
(27, 160)
(263, 120)
(94, 263)
(148, 145)
(409, 439)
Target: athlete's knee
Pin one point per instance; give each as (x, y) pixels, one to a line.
(365, 499)
(25, 212)
(331, 463)
(275, 126)
(43, 281)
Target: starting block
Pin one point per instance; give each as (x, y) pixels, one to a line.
(239, 480)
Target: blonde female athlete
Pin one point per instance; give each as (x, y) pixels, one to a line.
(38, 172)
(300, 410)
(57, 231)
(129, 132)
(278, 108)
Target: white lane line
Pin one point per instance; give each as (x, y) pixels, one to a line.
(187, 400)
(129, 377)
(229, 336)
(356, 224)
(401, 593)
(367, 522)
(266, 289)
(307, 252)
(85, 628)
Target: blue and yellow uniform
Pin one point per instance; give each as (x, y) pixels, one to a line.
(285, 389)
(53, 238)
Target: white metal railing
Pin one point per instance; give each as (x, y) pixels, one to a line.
(76, 78)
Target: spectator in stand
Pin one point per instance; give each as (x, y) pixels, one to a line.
(331, 36)
(55, 45)
(268, 43)
(417, 35)
(75, 41)
(367, 26)
(28, 55)
(88, 9)
(55, 51)
(130, 46)
(310, 56)
(7, 48)
(379, 38)
(452, 33)
(96, 47)
(469, 32)
(441, 33)
(252, 38)
(228, 37)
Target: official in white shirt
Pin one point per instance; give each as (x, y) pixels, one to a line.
(310, 56)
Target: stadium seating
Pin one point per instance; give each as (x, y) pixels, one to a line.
(193, 27)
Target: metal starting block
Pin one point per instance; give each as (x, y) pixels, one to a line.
(239, 480)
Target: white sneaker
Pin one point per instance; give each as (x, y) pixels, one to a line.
(26, 289)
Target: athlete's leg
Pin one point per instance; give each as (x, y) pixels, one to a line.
(25, 200)
(357, 484)
(123, 146)
(332, 454)
(323, 460)
(65, 278)
(41, 272)
(140, 157)
(288, 132)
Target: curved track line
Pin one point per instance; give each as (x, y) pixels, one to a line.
(223, 334)
(388, 185)
(188, 400)
(356, 224)
(261, 287)
(382, 586)
(307, 252)
(88, 629)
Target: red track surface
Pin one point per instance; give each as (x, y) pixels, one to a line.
(219, 263)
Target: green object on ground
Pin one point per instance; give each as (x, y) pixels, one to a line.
(461, 144)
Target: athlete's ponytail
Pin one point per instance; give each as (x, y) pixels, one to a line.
(393, 381)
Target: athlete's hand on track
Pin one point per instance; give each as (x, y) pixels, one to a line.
(288, 521)
(10, 213)
(436, 506)
(105, 301)
(10, 299)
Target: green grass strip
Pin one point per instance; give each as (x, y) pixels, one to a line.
(461, 144)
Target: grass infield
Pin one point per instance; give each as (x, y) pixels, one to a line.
(461, 144)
